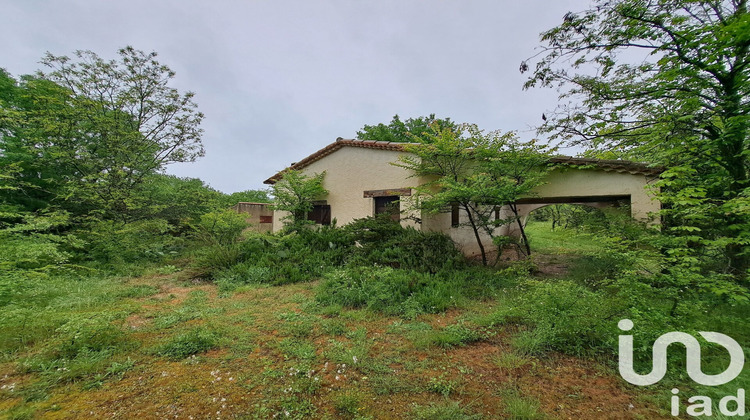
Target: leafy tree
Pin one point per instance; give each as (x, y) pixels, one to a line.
(98, 128)
(31, 179)
(247, 196)
(179, 201)
(408, 131)
(478, 172)
(295, 193)
(665, 81)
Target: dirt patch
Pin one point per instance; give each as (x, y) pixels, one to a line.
(552, 265)
(136, 322)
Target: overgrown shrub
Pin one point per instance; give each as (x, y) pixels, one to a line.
(396, 292)
(381, 241)
(220, 227)
(31, 252)
(114, 242)
(241, 275)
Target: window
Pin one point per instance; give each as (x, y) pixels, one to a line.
(388, 205)
(455, 215)
(320, 214)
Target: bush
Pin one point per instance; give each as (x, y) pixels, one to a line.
(394, 292)
(31, 252)
(381, 241)
(220, 227)
(241, 275)
(114, 242)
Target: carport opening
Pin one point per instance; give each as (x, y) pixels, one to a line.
(560, 235)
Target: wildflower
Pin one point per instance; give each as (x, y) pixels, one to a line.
(355, 359)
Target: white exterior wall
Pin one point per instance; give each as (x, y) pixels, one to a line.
(571, 182)
(350, 171)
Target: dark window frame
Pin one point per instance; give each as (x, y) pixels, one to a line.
(389, 204)
(320, 214)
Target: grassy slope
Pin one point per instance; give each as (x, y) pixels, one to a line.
(272, 350)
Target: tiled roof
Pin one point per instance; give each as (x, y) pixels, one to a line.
(606, 165)
(610, 165)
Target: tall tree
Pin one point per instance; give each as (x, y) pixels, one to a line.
(102, 127)
(667, 81)
(409, 131)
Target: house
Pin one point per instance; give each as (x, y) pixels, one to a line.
(362, 182)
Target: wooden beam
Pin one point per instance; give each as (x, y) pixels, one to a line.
(401, 192)
(579, 199)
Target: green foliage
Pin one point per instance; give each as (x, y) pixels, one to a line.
(242, 274)
(410, 131)
(195, 341)
(247, 196)
(295, 193)
(477, 172)
(521, 408)
(179, 201)
(565, 317)
(396, 292)
(682, 105)
(220, 227)
(115, 242)
(441, 385)
(85, 135)
(451, 336)
(86, 334)
(81, 347)
(382, 241)
(348, 404)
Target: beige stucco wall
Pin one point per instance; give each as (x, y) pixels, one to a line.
(350, 171)
(570, 182)
(255, 212)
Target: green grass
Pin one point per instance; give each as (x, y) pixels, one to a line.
(560, 241)
(76, 343)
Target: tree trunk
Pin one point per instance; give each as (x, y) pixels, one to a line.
(514, 209)
(476, 234)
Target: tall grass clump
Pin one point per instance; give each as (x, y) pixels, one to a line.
(388, 290)
(562, 316)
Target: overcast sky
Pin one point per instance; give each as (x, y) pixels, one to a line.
(279, 79)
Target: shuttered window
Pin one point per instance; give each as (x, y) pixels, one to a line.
(320, 214)
(388, 205)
